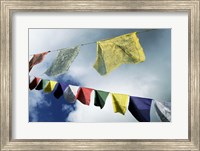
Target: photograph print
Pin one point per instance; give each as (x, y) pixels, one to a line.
(99, 75)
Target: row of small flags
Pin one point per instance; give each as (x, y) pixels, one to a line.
(139, 107)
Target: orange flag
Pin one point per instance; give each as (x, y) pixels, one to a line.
(83, 95)
(37, 58)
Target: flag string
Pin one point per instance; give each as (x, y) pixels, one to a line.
(69, 83)
(133, 104)
(83, 44)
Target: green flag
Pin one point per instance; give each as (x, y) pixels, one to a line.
(100, 98)
(42, 84)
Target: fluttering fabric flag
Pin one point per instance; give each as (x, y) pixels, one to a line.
(63, 61)
(50, 86)
(83, 95)
(70, 93)
(119, 102)
(60, 89)
(163, 111)
(100, 98)
(140, 108)
(34, 83)
(42, 84)
(113, 52)
(37, 58)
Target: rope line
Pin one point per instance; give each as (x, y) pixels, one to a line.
(83, 44)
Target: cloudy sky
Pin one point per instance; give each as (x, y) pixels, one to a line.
(151, 79)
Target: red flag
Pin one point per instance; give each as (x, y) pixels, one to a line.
(34, 83)
(37, 58)
(83, 95)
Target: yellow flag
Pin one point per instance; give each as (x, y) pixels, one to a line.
(120, 102)
(50, 86)
(113, 52)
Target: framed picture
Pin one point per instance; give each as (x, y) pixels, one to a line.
(99, 75)
(86, 84)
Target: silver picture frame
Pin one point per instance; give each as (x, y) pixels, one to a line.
(9, 7)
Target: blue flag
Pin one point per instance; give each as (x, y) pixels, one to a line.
(140, 108)
(60, 89)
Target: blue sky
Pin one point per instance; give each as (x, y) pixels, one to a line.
(151, 78)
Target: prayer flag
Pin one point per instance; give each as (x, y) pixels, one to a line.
(163, 111)
(34, 83)
(100, 98)
(50, 86)
(140, 108)
(119, 102)
(60, 89)
(42, 84)
(37, 58)
(70, 93)
(113, 52)
(83, 95)
(63, 61)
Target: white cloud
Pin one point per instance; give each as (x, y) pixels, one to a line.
(36, 99)
(66, 108)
